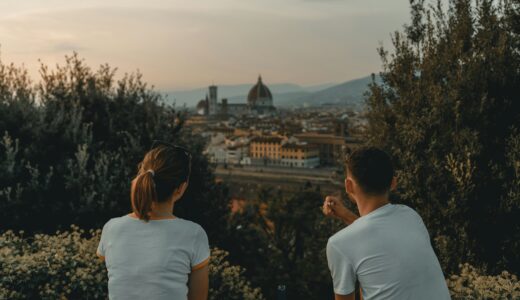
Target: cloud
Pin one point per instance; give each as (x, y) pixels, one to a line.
(183, 44)
(67, 46)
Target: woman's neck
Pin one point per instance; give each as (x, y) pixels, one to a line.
(162, 209)
(159, 211)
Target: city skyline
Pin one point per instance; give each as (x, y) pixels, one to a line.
(184, 45)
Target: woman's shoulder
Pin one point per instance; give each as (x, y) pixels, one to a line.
(113, 222)
(192, 226)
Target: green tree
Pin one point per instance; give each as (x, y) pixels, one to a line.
(448, 111)
(281, 239)
(70, 145)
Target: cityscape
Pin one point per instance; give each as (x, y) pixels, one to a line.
(259, 141)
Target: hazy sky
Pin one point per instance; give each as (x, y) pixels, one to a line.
(180, 44)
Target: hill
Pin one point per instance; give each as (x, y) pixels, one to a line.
(349, 93)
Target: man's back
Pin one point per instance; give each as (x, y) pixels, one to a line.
(389, 252)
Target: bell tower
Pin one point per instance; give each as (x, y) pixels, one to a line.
(212, 104)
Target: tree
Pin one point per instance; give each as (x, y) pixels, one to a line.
(448, 111)
(281, 239)
(71, 143)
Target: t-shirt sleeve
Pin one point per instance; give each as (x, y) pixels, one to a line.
(342, 271)
(421, 225)
(101, 249)
(200, 256)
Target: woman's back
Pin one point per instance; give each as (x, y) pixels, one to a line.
(151, 260)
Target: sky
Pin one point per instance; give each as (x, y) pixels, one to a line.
(184, 44)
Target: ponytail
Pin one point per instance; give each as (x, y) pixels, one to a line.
(162, 170)
(143, 194)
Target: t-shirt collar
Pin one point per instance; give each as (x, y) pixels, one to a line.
(377, 211)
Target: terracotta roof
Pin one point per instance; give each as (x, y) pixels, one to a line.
(299, 146)
(266, 139)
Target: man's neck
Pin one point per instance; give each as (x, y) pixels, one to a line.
(367, 205)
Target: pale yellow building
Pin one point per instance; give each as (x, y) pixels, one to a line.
(265, 149)
(300, 155)
(274, 151)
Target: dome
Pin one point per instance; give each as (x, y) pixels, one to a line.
(257, 92)
(202, 107)
(203, 104)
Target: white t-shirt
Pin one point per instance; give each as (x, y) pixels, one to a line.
(389, 252)
(151, 260)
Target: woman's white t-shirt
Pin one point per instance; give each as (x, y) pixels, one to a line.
(151, 260)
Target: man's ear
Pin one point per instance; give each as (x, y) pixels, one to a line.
(349, 185)
(393, 185)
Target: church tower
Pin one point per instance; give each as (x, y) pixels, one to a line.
(212, 104)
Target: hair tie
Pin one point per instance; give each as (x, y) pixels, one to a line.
(151, 171)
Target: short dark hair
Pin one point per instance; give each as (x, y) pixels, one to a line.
(372, 169)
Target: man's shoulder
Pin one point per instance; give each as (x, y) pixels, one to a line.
(407, 210)
(404, 207)
(348, 233)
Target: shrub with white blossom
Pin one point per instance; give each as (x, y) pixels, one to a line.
(473, 284)
(64, 266)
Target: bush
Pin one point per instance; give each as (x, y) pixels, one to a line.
(472, 284)
(70, 144)
(277, 238)
(64, 265)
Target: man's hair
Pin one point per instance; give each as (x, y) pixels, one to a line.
(372, 169)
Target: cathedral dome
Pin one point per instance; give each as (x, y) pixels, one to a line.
(259, 94)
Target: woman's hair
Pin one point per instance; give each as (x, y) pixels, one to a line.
(162, 170)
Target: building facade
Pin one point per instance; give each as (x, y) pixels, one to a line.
(277, 151)
(300, 155)
(259, 102)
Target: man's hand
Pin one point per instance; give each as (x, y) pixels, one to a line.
(334, 207)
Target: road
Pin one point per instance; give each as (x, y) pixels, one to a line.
(244, 182)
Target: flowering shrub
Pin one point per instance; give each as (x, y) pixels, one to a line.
(65, 266)
(472, 284)
(226, 281)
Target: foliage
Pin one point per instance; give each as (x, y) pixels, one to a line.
(280, 241)
(227, 281)
(448, 111)
(64, 266)
(70, 144)
(473, 284)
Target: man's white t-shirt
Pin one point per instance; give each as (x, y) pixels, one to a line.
(389, 252)
(151, 260)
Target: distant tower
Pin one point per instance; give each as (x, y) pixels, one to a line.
(213, 106)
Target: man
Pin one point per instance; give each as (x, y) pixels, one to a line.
(387, 249)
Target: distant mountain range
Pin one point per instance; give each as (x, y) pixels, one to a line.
(348, 94)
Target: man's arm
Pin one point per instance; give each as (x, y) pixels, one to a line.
(334, 207)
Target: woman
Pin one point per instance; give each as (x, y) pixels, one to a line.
(150, 253)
